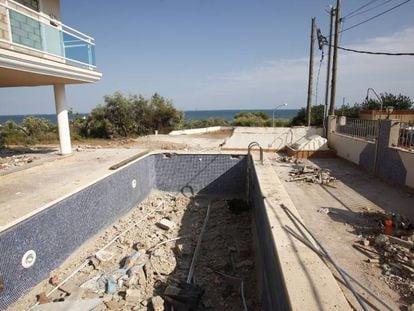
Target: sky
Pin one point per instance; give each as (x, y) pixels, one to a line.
(228, 54)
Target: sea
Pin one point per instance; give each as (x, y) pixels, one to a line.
(188, 115)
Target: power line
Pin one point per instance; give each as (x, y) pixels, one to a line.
(374, 53)
(360, 8)
(370, 9)
(375, 16)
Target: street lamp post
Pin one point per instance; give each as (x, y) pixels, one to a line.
(273, 116)
(379, 98)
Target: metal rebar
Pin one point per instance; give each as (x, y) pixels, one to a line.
(320, 253)
(241, 286)
(197, 249)
(328, 256)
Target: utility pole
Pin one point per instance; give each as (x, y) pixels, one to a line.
(310, 82)
(335, 57)
(328, 70)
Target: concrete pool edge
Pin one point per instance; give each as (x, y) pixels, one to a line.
(307, 281)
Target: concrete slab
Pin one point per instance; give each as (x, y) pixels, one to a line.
(354, 193)
(309, 283)
(24, 192)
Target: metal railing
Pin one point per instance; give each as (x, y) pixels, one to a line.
(365, 129)
(38, 32)
(406, 137)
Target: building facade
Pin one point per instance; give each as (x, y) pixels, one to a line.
(36, 49)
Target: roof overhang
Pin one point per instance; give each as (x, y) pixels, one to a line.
(19, 69)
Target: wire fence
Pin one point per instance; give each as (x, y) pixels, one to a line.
(365, 129)
(406, 138)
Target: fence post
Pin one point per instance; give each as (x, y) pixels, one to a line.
(331, 124)
(388, 134)
(394, 134)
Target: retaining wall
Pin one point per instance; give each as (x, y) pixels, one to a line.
(392, 163)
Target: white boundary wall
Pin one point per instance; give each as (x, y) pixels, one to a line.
(274, 138)
(200, 130)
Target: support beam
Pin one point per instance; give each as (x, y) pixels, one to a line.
(62, 119)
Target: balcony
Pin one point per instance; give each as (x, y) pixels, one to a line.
(33, 33)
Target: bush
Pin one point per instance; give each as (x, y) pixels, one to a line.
(258, 119)
(33, 130)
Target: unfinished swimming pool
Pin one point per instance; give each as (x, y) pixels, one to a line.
(245, 271)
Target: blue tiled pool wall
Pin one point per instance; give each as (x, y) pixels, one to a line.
(273, 294)
(59, 230)
(205, 174)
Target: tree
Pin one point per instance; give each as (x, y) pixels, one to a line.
(399, 102)
(349, 111)
(316, 116)
(164, 116)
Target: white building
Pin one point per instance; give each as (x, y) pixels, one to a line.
(37, 49)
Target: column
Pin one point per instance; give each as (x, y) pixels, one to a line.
(62, 119)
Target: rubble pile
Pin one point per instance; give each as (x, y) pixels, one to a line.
(393, 253)
(16, 161)
(139, 269)
(311, 174)
(288, 159)
(81, 148)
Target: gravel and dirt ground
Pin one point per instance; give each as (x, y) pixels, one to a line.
(156, 256)
(347, 216)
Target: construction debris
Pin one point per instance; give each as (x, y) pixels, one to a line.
(287, 159)
(16, 161)
(143, 268)
(165, 224)
(392, 253)
(311, 174)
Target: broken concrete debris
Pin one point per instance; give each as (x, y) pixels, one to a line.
(165, 224)
(311, 174)
(104, 255)
(16, 161)
(287, 159)
(392, 253)
(144, 265)
(157, 303)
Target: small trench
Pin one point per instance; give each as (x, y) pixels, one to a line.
(225, 272)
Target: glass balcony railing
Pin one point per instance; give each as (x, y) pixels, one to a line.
(44, 34)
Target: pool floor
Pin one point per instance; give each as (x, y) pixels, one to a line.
(159, 258)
